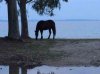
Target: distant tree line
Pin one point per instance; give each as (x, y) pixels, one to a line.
(40, 6)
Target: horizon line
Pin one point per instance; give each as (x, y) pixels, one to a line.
(59, 19)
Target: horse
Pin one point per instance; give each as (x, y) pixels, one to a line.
(45, 25)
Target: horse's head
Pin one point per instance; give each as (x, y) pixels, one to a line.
(36, 35)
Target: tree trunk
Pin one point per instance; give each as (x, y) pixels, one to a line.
(13, 69)
(24, 23)
(13, 26)
(24, 70)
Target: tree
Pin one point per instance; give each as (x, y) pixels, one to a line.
(24, 22)
(13, 26)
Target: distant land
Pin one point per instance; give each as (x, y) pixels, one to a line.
(61, 20)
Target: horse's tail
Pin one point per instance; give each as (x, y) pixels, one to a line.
(54, 29)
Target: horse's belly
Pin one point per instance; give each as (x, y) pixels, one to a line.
(45, 29)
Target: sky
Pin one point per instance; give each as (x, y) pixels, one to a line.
(74, 9)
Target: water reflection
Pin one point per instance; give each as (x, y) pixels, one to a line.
(64, 70)
(14, 69)
(4, 70)
(24, 70)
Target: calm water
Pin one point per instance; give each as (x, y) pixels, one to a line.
(56, 70)
(65, 29)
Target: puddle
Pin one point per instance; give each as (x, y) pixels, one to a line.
(56, 70)
(4, 70)
(65, 70)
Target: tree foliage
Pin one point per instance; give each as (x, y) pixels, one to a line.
(46, 6)
(0, 0)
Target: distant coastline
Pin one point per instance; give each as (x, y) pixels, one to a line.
(61, 20)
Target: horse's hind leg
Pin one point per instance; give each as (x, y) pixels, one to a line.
(53, 36)
(49, 33)
(41, 34)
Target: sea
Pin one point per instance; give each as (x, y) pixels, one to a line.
(65, 29)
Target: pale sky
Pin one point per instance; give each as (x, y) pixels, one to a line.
(74, 9)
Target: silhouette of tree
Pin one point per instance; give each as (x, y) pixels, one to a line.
(24, 22)
(13, 27)
(46, 6)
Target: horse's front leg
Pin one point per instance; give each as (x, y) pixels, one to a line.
(49, 33)
(41, 34)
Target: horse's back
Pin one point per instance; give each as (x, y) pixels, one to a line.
(40, 22)
(48, 24)
(51, 22)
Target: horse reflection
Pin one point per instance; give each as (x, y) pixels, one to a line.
(45, 25)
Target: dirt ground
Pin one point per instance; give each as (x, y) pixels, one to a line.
(59, 52)
(77, 53)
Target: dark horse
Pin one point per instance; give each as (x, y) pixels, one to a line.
(45, 25)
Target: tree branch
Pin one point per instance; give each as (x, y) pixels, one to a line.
(1, 0)
(27, 1)
(18, 2)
